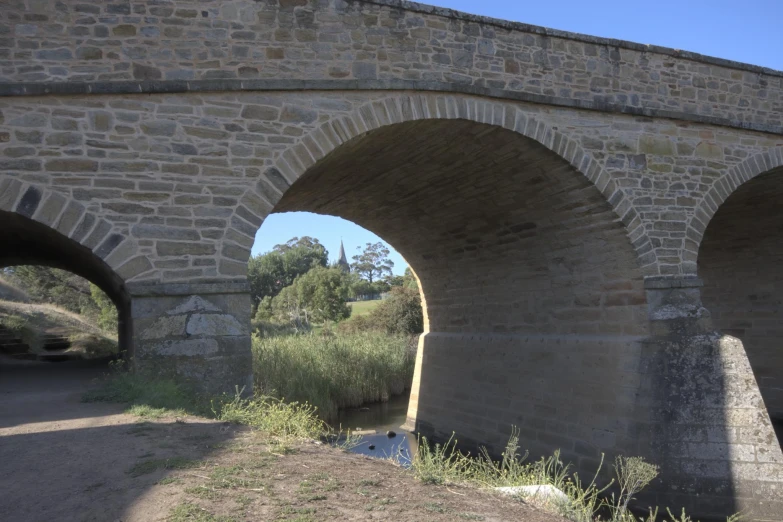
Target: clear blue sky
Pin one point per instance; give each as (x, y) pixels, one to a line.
(746, 31)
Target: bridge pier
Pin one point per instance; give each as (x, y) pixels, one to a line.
(199, 333)
(684, 397)
(700, 414)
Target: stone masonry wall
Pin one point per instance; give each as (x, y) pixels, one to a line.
(185, 180)
(385, 40)
(510, 238)
(573, 393)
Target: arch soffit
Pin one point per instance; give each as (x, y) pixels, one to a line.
(297, 159)
(720, 191)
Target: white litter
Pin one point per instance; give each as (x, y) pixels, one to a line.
(539, 494)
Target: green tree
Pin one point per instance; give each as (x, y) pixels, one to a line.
(106, 311)
(317, 296)
(396, 280)
(399, 313)
(269, 273)
(373, 263)
(409, 279)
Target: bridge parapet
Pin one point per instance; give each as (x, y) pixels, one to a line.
(384, 44)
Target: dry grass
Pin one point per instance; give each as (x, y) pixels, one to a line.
(11, 292)
(32, 321)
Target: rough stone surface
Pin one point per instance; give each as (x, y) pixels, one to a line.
(557, 196)
(741, 261)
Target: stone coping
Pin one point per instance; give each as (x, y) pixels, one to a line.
(545, 31)
(179, 289)
(223, 85)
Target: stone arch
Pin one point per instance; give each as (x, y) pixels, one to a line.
(527, 272)
(719, 192)
(44, 227)
(399, 108)
(738, 236)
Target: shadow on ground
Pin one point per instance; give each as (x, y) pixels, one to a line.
(67, 460)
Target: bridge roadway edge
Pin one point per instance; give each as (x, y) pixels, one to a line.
(14, 89)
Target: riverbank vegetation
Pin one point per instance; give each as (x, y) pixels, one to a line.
(548, 482)
(152, 398)
(332, 371)
(310, 345)
(285, 427)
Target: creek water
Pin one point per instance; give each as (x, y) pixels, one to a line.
(373, 422)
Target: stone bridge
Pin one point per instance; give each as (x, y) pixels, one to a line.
(595, 224)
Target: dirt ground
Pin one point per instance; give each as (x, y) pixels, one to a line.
(64, 460)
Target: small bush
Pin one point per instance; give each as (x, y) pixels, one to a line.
(399, 314)
(441, 463)
(270, 415)
(152, 398)
(633, 475)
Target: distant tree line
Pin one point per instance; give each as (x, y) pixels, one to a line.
(294, 283)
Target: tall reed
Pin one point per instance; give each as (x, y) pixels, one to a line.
(333, 371)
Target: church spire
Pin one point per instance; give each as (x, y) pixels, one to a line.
(342, 261)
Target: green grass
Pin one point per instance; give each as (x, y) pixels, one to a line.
(153, 398)
(188, 512)
(587, 501)
(333, 371)
(363, 307)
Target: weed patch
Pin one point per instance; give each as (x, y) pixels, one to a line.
(584, 502)
(155, 398)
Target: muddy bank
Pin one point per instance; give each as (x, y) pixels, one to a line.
(71, 461)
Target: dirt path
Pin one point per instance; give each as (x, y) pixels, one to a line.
(64, 460)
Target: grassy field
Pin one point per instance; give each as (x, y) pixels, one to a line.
(333, 371)
(363, 307)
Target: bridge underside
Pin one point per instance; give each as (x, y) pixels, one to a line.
(537, 313)
(28, 242)
(741, 262)
(532, 293)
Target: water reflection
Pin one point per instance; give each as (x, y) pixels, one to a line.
(379, 427)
